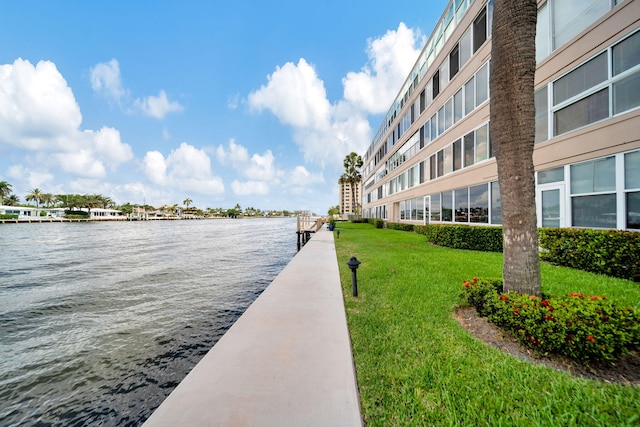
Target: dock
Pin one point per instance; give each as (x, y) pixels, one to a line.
(286, 361)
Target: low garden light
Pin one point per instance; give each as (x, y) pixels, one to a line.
(353, 264)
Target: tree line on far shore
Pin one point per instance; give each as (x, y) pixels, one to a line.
(92, 201)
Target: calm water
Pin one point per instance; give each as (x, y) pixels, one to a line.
(100, 321)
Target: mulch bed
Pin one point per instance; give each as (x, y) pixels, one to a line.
(625, 370)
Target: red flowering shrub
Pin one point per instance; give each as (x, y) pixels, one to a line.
(583, 327)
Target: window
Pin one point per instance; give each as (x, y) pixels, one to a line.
(440, 163)
(454, 62)
(594, 211)
(626, 94)
(434, 126)
(482, 143)
(633, 210)
(496, 203)
(444, 74)
(423, 103)
(441, 122)
(447, 206)
(432, 167)
(469, 96)
(626, 54)
(586, 111)
(480, 30)
(543, 46)
(632, 170)
(435, 207)
(582, 78)
(457, 155)
(448, 114)
(542, 115)
(462, 205)
(465, 48)
(448, 159)
(435, 82)
(479, 203)
(551, 175)
(482, 84)
(457, 106)
(469, 149)
(594, 176)
(570, 17)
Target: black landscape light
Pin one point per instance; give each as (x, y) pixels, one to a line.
(353, 264)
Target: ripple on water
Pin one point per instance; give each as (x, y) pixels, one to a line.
(100, 322)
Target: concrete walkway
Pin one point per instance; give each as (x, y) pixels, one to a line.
(286, 362)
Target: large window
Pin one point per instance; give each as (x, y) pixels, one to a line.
(461, 205)
(479, 203)
(632, 182)
(482, 84)
(588, 110)
(496, 203)
(582, 78)
(570, 17)
(542, 115)
(447, 206)
(454, 62)
(588, 209)
(480, 30)
(435, 207)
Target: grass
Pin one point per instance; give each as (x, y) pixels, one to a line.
(416, 366)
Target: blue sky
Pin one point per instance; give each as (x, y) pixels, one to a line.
(249, 102)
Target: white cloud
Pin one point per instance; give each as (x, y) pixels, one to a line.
(157, 106)
(391, 58)
(301, 175)
(256, 167)
(295, 95)
(186, 169)
(39, 113)
(32, 178)
(326, 132)
(37, 109)
(105, 78)
(250, 188)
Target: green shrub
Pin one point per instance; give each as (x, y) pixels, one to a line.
(477, 238)
(582, 327)
(400, 226)
(378, 223)
(611, 252)
(8, 216)
(477, 292)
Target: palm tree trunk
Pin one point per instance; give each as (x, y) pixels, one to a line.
(512, 135)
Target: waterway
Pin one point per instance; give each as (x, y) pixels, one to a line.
(99, 322)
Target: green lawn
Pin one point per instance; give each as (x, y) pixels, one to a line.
(416, 366)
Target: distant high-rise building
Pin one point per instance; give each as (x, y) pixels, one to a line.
(349, 203)
(431, 158)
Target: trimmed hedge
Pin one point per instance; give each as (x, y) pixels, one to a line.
(611, 252)
(400, 226)
(477, 238)
(8, 216)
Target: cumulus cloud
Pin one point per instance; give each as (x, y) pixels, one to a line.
(256, 167)
(106, 80)
(186, 168)
(391, 58)
(250, 188)
(39, 114)
(157, 106)
(324, 131)
(300, 174)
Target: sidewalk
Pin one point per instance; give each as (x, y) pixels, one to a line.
(286, 362)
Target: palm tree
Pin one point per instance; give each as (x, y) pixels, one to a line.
(47, 199)
(5, 189)
(352, 176)
(513, 66)
(187, 202)
(11, 200)
(34, 195)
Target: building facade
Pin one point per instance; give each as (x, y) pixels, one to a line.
(431, 159)
(348, 202)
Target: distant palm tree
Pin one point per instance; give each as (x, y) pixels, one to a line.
(47, 199)
(187, 202)
(12, 200)
(34, 195)
(5, 189)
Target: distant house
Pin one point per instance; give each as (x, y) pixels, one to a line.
(24, 212)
